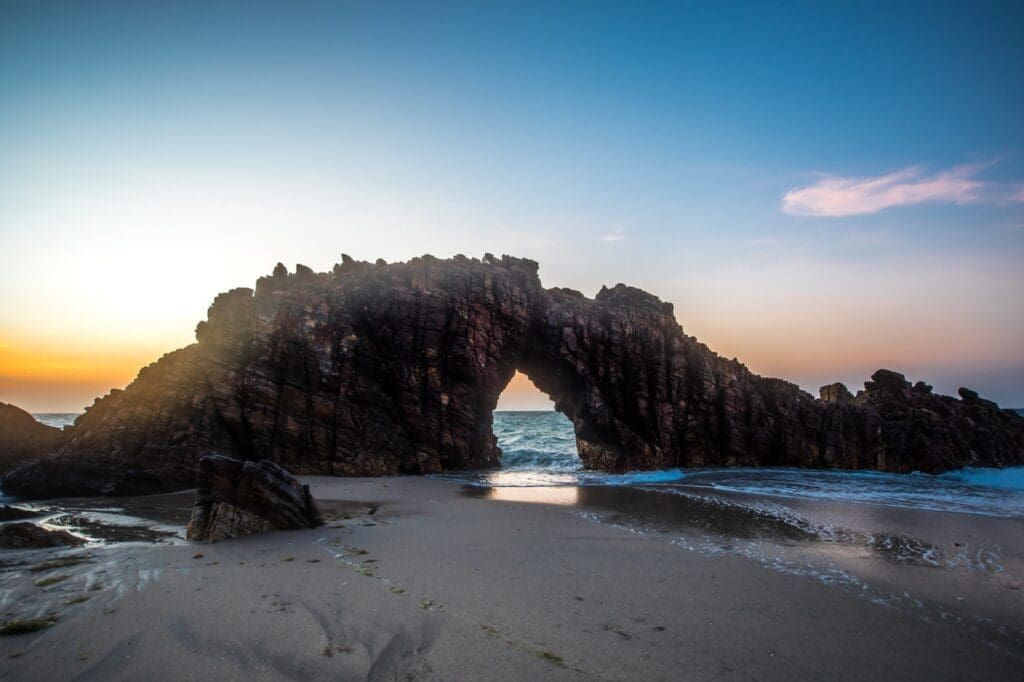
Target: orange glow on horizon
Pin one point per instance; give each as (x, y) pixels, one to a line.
(521, 394)
(38, 378)
(66, 372)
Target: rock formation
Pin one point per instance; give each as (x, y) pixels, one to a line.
(22, 437)
(241, 498)
(9, 513)
(378, 368)
(25, 535)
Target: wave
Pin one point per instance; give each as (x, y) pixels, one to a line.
(1011, 478)
(990, 492)
(57, 419)
(539, 449)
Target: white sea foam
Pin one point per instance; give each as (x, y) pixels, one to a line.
(539, 449)
(1011, 478)
(57, 419)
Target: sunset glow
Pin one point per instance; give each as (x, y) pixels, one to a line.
(812, 236)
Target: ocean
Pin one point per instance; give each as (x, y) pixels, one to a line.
(539, 450)
(57, 419)
(914, 542)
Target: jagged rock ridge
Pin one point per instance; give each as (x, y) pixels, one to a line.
(378, 368)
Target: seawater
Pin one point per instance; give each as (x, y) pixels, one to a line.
(57, 419)
(539, 449)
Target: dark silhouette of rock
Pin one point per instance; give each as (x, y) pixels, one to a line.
(241, 498)
(377, 368)
(972, 398)
(9, 513)
(23, 438)
(25, 535)
(69, 475)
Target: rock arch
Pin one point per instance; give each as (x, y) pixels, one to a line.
(378, 368)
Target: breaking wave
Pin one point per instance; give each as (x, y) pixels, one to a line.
(539, 449)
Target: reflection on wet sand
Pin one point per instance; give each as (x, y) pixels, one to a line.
(561, 495)
(943, 565)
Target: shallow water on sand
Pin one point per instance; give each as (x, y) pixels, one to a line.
(948, 547)
(159, 519)
(539, 450)
(102, 521)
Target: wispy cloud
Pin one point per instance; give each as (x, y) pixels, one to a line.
(836, 196)
(615, 236)
(1019, 196)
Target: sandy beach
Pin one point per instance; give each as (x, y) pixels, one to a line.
(416, 578)
(496, 341)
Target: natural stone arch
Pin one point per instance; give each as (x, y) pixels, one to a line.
(378, 368)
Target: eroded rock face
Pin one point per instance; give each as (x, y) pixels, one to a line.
(379, 368)
(22, 438)
(239, 498)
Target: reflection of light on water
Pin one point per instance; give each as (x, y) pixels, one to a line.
(564, 495)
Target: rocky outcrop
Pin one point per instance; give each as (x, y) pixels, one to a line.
(919, 430)
(241, 498)
(25, 535)
(23, 438)
(835, 393)
(9, 513)
(378, 368)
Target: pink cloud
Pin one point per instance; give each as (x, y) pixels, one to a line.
(835, 196)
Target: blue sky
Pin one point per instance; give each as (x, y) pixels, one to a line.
(821, 190)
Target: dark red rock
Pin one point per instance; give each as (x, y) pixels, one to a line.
(377, 368)
(25, 535)
(22, 438)
(241, 498)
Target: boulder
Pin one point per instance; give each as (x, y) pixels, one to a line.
(886, 380)
(9, 513)
(972, 398)
(835, 393)
(239, 498)
(25, 535)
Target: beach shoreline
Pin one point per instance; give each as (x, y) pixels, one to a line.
(416, 578)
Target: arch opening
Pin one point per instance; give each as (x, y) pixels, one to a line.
(522, 395)
(532, 434)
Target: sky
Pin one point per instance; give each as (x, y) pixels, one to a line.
(821, 189)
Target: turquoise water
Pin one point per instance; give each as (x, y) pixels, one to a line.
(539, 449)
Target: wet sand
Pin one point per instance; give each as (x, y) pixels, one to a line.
(444, 582)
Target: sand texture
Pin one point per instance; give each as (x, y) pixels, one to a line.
(440, 584)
